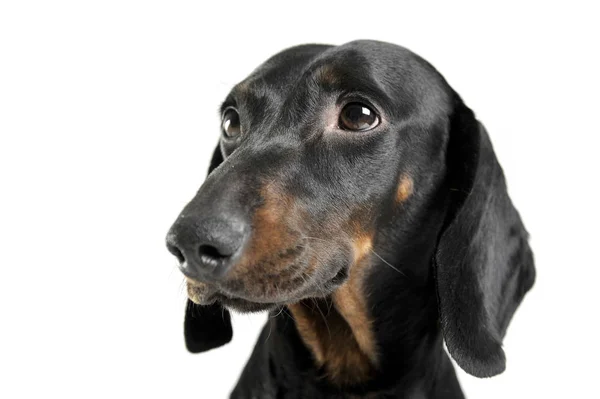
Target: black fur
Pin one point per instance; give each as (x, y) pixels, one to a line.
(484, 263)
(458, 242)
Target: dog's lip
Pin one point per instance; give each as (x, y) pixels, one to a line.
(225, 297)
(207, 293)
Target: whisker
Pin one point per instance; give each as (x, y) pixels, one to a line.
(329, 306)
(388, 263)
(324, 318)
(280, 311)
(182, 287)
(270, 330)
(286, 312)
(375, 253)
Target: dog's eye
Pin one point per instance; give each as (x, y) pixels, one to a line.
(358, 117)
(231, 123)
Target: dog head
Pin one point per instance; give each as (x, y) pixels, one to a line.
(321, 149)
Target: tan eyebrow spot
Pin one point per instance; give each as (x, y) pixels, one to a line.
(405, 188)
(243, 87)
(328, 75)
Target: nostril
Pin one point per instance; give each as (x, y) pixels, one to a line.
(175, 251)
(208, 251)
(206, 248)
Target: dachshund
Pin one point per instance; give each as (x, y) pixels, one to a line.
(355, 197)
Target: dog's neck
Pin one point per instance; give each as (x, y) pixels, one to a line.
(359, 338)
(338, 330)
(358, 342)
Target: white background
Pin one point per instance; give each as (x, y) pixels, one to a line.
(108, 115)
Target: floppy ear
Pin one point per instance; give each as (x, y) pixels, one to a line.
(207, 327)
(484, 265)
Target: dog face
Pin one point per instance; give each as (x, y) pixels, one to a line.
(320, 147)
(331, 157)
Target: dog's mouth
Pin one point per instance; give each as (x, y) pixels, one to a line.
(204, 294)
(248, 298)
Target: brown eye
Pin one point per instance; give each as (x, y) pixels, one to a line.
(231, 123)
(358, 117)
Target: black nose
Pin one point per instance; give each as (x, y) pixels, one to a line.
(206, 248)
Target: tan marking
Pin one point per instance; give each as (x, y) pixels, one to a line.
(350, 299)
(266, 267)
(341, 339)
(270, 234)
(328, 75)
(405, 188)
(243, 87)
(196, 290)
(326, 333)
(310, 330)
(362, 247)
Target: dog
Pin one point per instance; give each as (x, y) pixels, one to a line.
(355, 197)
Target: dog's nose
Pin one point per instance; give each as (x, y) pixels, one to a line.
(206, 248)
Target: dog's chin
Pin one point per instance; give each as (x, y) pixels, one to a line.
(245, 306)
(203, 295)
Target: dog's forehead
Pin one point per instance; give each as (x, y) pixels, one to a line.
(396, 74)
(287, 65)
